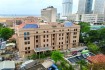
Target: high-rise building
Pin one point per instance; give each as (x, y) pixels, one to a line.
(43, 37)
(67, 7)
(49, 14)
(85, 7)
(99, 7)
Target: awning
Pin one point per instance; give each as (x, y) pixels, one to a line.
(42, 49)
(85, 51)
(10, 44)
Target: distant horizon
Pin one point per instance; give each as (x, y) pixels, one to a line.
(33, 7)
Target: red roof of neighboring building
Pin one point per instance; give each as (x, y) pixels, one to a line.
(97, 59)
(21, 25)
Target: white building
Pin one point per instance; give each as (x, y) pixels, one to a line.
(7, 65)
(85, 6)
(99, 7)
(67, 7)
(49, 14)
(90, 18)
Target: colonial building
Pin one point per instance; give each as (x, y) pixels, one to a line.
(35, 38)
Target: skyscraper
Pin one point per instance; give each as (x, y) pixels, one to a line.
(85, 6)
(99, 7)
(67, 7)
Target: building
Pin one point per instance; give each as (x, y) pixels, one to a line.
(49, 14)
(94, 19)
(85, 6)
(67, 7)
(99, 7)
(7, 65)
(35, 38)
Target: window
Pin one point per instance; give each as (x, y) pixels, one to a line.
(74, 44)
(67, 33)
(62, 30)
(53, 47)
(74, 36)
(59, 47)
(25, 43)
(44, 40)
(28, 51)
(44, 45)
(44, 36)
(62, 42)
(75, 33)
(37, 32)
(44, 31)
(66, 41)
(47, 40)
(47, 36)
(36, 41)
(68, 29)
(28, 42)
(59, 34)
(62, 34)
(25, 52)
(28, 47)
(47, 45)
(53, 35)
(53, 43)
(75, 29)
(62, 38)
(53, 39)
(36, 46)
(74, 40)
(36, 36)
(28, 38)
(59, 38)
(28, 33)
(53, 30)
(25, 38)
(47, 31)
(59, 43)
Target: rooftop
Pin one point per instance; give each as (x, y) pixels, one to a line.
(7, 65)
(97, 59)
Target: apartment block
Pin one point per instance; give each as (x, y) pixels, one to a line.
(49, 14)
(37, 38)
(89, 18)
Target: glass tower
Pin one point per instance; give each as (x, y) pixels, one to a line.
(85, 7)
(67, 7)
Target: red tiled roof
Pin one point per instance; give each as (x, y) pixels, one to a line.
(97, 59)
(21, 25)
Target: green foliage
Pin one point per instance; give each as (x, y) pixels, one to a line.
(83, 65)
(85, 27)
(93, 47)
(56, 56)
(6, 33)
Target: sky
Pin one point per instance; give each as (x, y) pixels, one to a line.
(31, 7)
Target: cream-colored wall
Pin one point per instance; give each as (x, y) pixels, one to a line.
(40, 33)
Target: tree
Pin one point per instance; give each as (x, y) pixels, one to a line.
(56, 56)
(83, 64)
(93, 47)
(93, 36)
(6, 33)
(85, 27)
